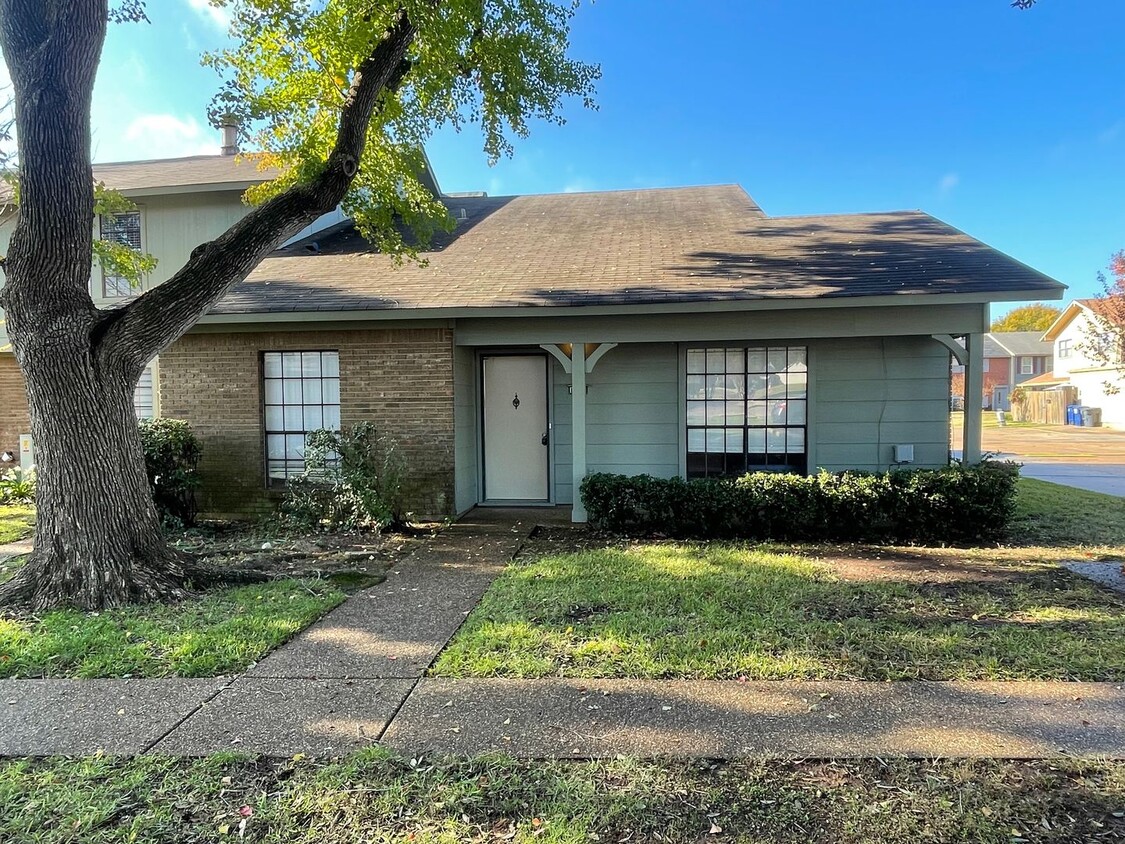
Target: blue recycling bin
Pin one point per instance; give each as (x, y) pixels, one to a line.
(1074, 414)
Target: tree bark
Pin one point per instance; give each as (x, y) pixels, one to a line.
(98, 540)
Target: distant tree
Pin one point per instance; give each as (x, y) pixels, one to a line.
(1103, 339)
(1034, 317)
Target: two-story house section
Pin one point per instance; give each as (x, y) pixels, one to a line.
(180, 203)
(1099, 381)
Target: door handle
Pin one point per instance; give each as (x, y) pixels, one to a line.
(545, 439)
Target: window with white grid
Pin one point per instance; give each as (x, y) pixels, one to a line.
(123, 228)
(301, 393)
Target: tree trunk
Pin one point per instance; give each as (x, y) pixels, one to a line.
(98, 538)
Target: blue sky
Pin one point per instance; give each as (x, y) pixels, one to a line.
(1009, 125)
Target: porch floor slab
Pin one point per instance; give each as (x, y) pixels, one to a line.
(729, 719)
(81, 717)
(283, 717)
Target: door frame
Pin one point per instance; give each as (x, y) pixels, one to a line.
(510, 351)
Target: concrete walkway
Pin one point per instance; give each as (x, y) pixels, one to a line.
(356, 677)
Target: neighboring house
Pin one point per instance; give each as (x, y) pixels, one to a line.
(1099, 383)
(676, 332)
(1010, 358)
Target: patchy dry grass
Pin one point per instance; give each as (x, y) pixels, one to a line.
(16, 522)
(376, 797)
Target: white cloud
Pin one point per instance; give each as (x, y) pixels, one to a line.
(168, 136)
(217, 16)
(948, 182)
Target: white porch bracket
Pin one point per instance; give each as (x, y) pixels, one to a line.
(578, 360)
(955, 348)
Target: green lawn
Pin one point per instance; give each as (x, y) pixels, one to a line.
(219, 633)
(16, 522)
(1049, 514)
(374, 797)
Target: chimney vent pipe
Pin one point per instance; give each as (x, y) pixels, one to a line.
(230, 137)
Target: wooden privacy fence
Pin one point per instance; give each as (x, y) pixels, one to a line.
(1045, 407)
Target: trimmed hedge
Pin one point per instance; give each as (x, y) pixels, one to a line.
(952, 505)
(172, 454)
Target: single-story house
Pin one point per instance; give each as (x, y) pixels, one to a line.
(676, 332)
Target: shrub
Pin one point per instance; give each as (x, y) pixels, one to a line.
(352, 481)
(17, 486)
(952, 505)
(171, 459)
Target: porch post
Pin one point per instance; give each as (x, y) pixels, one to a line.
(974, 383)
(578, 426)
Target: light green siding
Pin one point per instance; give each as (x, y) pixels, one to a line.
(632, 415)
(465, 443)
(871, 393)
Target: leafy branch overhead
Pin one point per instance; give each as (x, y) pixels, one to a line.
(499, 63)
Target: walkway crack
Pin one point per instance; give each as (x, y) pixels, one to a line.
(232, 679)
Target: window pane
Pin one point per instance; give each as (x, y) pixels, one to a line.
(798, 384)
(294, 446)
(776, 361)
(310, 364)
(716, 360)
(736, 386)
(332, 418)
(273, 418)
(696, 386)
(312, 391)
(695, 440)
(796, 412)
(330, 364)
(775, 440)
(736, 360)
(275, 446)
(756, 440)
(716, 386)
(696, 412)
(734, 441)
(756, 413)
(716, 441)
(293, 419)
(331, 390)
(291, 390)
(696, 361)
(755, 360)
(798, 357)
(736, 413)
(796, 441)
(755, 386)
(291, 364)
(776, 411)
(271, 362)
(314, 418)
(716, 412)
(273, 391)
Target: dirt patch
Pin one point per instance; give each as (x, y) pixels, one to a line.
(906, 567)
(347, 557)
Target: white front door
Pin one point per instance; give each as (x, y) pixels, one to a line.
(515, 428)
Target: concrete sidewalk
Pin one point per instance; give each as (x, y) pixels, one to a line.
(356, 678)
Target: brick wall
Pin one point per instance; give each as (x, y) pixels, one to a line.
(995, 376)
(13, 405)
(400, 379)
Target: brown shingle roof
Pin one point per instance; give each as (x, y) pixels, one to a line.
(680, 245)
(192, 171)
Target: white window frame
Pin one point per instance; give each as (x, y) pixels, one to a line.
(1065, 348)
(300, 394)
(1027, 365)
(112, 286)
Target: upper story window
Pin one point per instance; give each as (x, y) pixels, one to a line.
(301, 394)
(123, 228)
(144, 399)
(1064, 348)
(1027, 366)
(746, 410)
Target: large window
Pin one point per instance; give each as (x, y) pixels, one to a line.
(1064, 348)
(123, 228)
(746, 410)
(302, 394)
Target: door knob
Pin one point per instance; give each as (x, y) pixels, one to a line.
(544, 440)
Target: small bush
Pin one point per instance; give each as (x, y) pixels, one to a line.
(171, 461)
(352, 481)
(953, 505)
(17, 486)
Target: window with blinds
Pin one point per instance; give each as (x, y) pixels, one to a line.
(123, 228)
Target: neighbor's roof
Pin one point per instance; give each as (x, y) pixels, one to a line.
(192, 173)
(1022, 343)
(1047, 379)
(669, 246)
(1096, 307)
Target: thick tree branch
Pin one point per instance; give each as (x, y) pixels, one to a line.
(132, 335)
